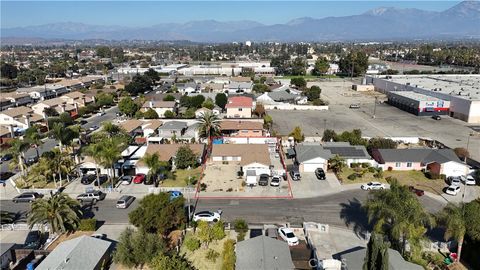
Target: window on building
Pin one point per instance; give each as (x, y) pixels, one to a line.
(409, 164)
(398, 164)
(224, 158)
(239, 109)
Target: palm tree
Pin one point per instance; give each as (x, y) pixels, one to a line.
(61, 164)
(209, 125)
(110, 153)
(60, 212)
(58, 132)
(34, 138)
(453, 219)
(94, 151)
(398, 214)
(6, 217)
(153, 163)
(17, 149)
(337, 163)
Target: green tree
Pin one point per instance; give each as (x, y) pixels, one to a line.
(103, 52)
(110, 153)
(18, 148)
(49, 112)
(169, 98)
(218, 230)
(205, 233)
(139, 85)
(356, 61)
(297, 134)
(173, 262)
(61, 164)
(63, 134)
(209, 126)
(397, 213)
(8, 71)
(153, 163)
(169, 114)
(6, 217)
(377, 253)
(329, 135)
(196, 101)
(65, 118)
(221, 100)
(298, 82)
(111, 130)
(313, 93)
(104, 99)
(208, 104)
(157, 214)
(137, 248)
(150, 114)
(260, 88)
(34, 138)
(185, 158)
(321, 66)
(152, 75)
(128, 106)
(381, 143)
(267, 121)
(298, 66)
(60, 212)
(337, 163)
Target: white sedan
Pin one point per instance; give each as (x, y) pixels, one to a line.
(373, 186)
(288, 235)
(452, 190)
(469, 180)
(206, 216)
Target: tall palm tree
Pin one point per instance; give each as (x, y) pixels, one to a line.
(110, 153)
(17, 149)
(337, 163)
(60, 212)
(94, 151)
(398, 214)
(34, 138)
(61, 164)
(453, 219)
(58, 132)
(209, 125)
(153, 163)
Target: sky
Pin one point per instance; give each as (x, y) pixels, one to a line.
(147, 13)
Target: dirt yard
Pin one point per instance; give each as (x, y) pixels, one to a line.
(222, 177)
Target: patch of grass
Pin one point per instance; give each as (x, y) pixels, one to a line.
(180, 176)
(408, 178)
(307, 77)
(197, 257)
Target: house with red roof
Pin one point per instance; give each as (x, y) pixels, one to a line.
(239, 107)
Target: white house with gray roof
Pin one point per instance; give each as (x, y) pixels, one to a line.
(263, 252)
(277, 97)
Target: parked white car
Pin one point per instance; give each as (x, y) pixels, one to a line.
(469, 180)
(206, 216)
(456, 180)
(373, 186)
(288, 235)
(275, 182)
(452, 190)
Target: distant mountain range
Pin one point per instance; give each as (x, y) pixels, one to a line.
(386, 23)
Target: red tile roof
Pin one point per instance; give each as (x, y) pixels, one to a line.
(239, 102)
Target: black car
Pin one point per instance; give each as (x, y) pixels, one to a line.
(82, 122)
(27, 197)
(263, 181)
(31, 160)
(437, 117)
(88, 179)
(6, 157)
(102, 178)
(320, 173)
(33, 240)
(4, 176)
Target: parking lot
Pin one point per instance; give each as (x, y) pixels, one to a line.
(388, 122)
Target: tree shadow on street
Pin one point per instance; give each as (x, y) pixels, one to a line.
(355, 217)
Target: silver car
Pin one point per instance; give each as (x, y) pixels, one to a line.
(125, 201)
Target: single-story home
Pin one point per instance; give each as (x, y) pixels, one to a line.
(255, 157)
(84, 252)
(241, 128)
(354, 260)
(276, 97)
(167, 152)
(160, 107)
(439, 161)
(263, 252)
(351, 153)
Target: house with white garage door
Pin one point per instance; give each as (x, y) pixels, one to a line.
(250, 157)
(309, 157)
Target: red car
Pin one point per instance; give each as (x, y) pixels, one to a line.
(417, 191)
(139, 178)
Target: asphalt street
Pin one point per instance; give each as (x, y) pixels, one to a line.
(342, 209)
(49, 144)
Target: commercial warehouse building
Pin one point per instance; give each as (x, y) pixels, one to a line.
(461, 91)
(418, 104)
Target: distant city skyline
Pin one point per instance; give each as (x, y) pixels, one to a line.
(138, 14)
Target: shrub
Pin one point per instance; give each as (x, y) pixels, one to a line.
(354, 165)
(240, 225)
(212, 255)
(390, 169)
(372, 170)
(241, 236)
(228, 255)
(229, 189)
(192, 244)
(203, 186)
(352, 176)
(365, 165)
(88, 224)
(244, 183)
(379, 174)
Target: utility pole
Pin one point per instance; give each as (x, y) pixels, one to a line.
(375, 107)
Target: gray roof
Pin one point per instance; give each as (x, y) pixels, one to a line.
(240, 85)
(354, 260)
(418, 155)
(83, 252)
(306, 152)
(281, 95)
(173, 125)
(345, 150)
(4, 247)
(263, 253)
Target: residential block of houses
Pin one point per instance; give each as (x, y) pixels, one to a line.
(239, 107)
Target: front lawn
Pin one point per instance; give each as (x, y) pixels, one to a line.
(408, 178)
(180, 177)
(198, 257)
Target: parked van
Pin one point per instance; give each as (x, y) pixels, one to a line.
(125, 201)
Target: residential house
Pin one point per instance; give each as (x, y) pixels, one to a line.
(353, 260)
(19, 118)
(309, 157)
(167, 152)
(199, 113)
(240, 79)
(172, 131)
(263, 252)
(132, 127)
(5, 104)
(351, 153)
(159, 106)
(240, 87)
(277, 97)
(241, 128)
(18, 99)
(6, 254)
(84, 252)
(58, 104)
(213, 87)
(71, 84)
(43, 92)
(250, 157)
(188, 88)
(78, 98)
(141, 128)
(438, 161)
(239, 107)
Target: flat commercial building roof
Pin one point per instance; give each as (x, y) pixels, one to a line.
(462, 86)
(415, 96)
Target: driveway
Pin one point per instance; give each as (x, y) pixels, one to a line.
(309, 186)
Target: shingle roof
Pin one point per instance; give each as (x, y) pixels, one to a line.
(17, 111)
(83, 252)
(237, 125)
(281, 95)
(176, 125)
(75, 95)
(354, 260)
(158, 104)
(168, 151)
(249, 153)
(130, 125)
(346, 150)
(263, 253)
(239, 102)
(418, 155)
(306, 152)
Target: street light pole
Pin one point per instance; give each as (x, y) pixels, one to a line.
(375, 107)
